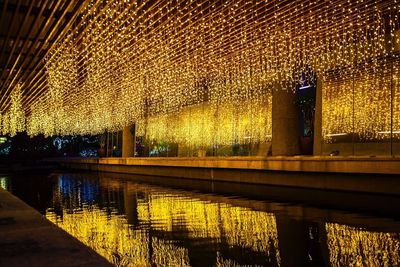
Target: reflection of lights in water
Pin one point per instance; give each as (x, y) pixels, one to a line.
(112, 237)
(167, 254)
(221, 262)
(165, 227)
(238, 226)
(4, 183)
(350, 246)
(87, 189)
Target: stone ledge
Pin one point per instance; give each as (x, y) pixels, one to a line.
(377, 165)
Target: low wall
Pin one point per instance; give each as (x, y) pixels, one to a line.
(371, 175)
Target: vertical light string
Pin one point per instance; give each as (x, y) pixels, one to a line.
(14, 119)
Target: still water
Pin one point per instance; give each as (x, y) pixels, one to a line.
(149, 221)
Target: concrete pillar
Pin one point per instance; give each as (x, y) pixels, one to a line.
(318, 119)
(285, 123)
(128, 141)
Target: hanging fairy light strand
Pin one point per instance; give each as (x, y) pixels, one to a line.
(13, 121)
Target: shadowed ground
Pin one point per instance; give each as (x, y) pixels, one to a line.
(28, 239)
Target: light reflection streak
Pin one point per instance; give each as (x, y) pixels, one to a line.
(168, 222)
(351, 246)
(4, 183)
(108, 232)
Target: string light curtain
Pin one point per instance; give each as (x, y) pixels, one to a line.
(363, 103)
(14, 120)
(204, 125)
(128, 61)
(396, 99)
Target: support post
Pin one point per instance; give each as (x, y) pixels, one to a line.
(285, 123)
(128, 141)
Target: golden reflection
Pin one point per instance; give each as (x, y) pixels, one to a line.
(167, 254)
(238, 226)
(221, 262)
(109, 233)
(4, 183)
(350, 246)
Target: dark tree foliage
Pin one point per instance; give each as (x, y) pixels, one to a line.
(26, 147)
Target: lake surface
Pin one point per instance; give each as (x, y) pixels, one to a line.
(150, 221)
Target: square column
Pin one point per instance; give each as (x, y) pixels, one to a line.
(285, 123)
(128, 141)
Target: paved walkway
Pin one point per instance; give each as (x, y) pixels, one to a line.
(28, 239)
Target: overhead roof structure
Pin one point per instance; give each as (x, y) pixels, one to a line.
(28, 30)
(72, 60)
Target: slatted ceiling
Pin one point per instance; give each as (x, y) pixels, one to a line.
(15, 44)
(28, 29)
(36, 77)
(48, 37)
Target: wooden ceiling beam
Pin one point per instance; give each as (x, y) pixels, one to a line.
(14, 16)
(15, 43)
(36, 10)
(25, 43)
(35, 58)
(33, 80)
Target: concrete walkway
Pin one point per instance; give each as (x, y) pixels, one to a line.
(28, 239)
